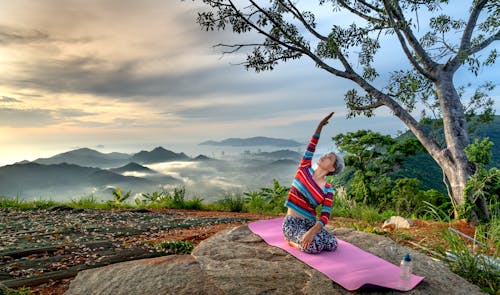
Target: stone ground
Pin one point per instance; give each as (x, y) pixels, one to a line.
(45, 249)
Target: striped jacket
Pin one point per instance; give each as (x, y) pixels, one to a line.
(305, 194)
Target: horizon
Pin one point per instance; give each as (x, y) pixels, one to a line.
(126, 75)
(192, 150)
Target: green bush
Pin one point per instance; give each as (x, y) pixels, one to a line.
(231, 203)
(386, 214)
(255, 203)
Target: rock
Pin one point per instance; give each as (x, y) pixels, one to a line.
(176, 274)
(236, 261)
(398, 221)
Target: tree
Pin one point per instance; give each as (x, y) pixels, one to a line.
(434, 59)
(373, 156)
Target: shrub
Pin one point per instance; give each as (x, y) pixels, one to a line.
(231, 203)
(86, 202)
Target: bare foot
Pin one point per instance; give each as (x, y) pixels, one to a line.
(292, 244)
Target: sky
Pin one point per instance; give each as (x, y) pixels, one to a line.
(125, 75)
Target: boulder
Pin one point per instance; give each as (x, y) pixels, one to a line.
(236, 261)
(176, 274)
(398, 222)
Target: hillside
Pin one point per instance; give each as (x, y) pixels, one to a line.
(57, 181)
(86, 157)
(158, 154)
(424, 168)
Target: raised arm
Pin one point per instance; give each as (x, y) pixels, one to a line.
(311, 147)
(323, 123)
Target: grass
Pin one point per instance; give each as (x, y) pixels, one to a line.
(474, 258)
(26, 205)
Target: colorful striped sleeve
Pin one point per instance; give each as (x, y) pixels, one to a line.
(326, 209)
(308, 154)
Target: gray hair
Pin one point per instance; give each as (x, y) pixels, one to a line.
(339, 164)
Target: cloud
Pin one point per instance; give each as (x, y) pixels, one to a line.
(6, 99)
(22, 118)
(16, 35)
(10, 117)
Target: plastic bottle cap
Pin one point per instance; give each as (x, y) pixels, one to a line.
(407, 257)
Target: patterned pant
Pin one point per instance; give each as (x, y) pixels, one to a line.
(294, 228)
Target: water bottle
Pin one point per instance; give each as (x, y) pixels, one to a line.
(405, 273)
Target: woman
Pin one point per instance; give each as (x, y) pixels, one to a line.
(309, 190)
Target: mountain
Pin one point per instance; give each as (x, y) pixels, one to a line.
(157, 155)
(33, 180)
(132, 167)
(280, 154)
(254, 141)
(202, 158)
(86, 157)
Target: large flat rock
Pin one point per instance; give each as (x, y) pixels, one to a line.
(236, 261)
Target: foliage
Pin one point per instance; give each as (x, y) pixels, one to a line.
(153, 197)
(119, 196)
(175, 247)
(479, 152)
(231, 203)
(372, 156)
(484, 186)
(473, 263)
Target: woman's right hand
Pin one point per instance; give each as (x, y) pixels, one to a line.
(323, 122)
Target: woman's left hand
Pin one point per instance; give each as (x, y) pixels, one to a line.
(307, 239)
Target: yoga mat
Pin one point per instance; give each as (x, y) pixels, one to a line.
(348, 266)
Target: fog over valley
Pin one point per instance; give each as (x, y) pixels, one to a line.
(219, 170)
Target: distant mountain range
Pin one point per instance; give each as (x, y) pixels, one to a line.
(91, 158)
(84, 171)
(254, 141)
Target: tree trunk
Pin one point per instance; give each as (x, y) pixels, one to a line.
(453, 159)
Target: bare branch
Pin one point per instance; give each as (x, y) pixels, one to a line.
(296, 13)
(464, 50)
(396, 11)
(356, 12)
(372, 106)
(469, 28)
(259, 30)
(379, 10)
(485, 43)
(236, 47)
(404, 46)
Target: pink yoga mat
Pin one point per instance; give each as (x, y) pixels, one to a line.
(348, 266)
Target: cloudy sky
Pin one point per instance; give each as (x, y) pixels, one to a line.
(125, 75)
